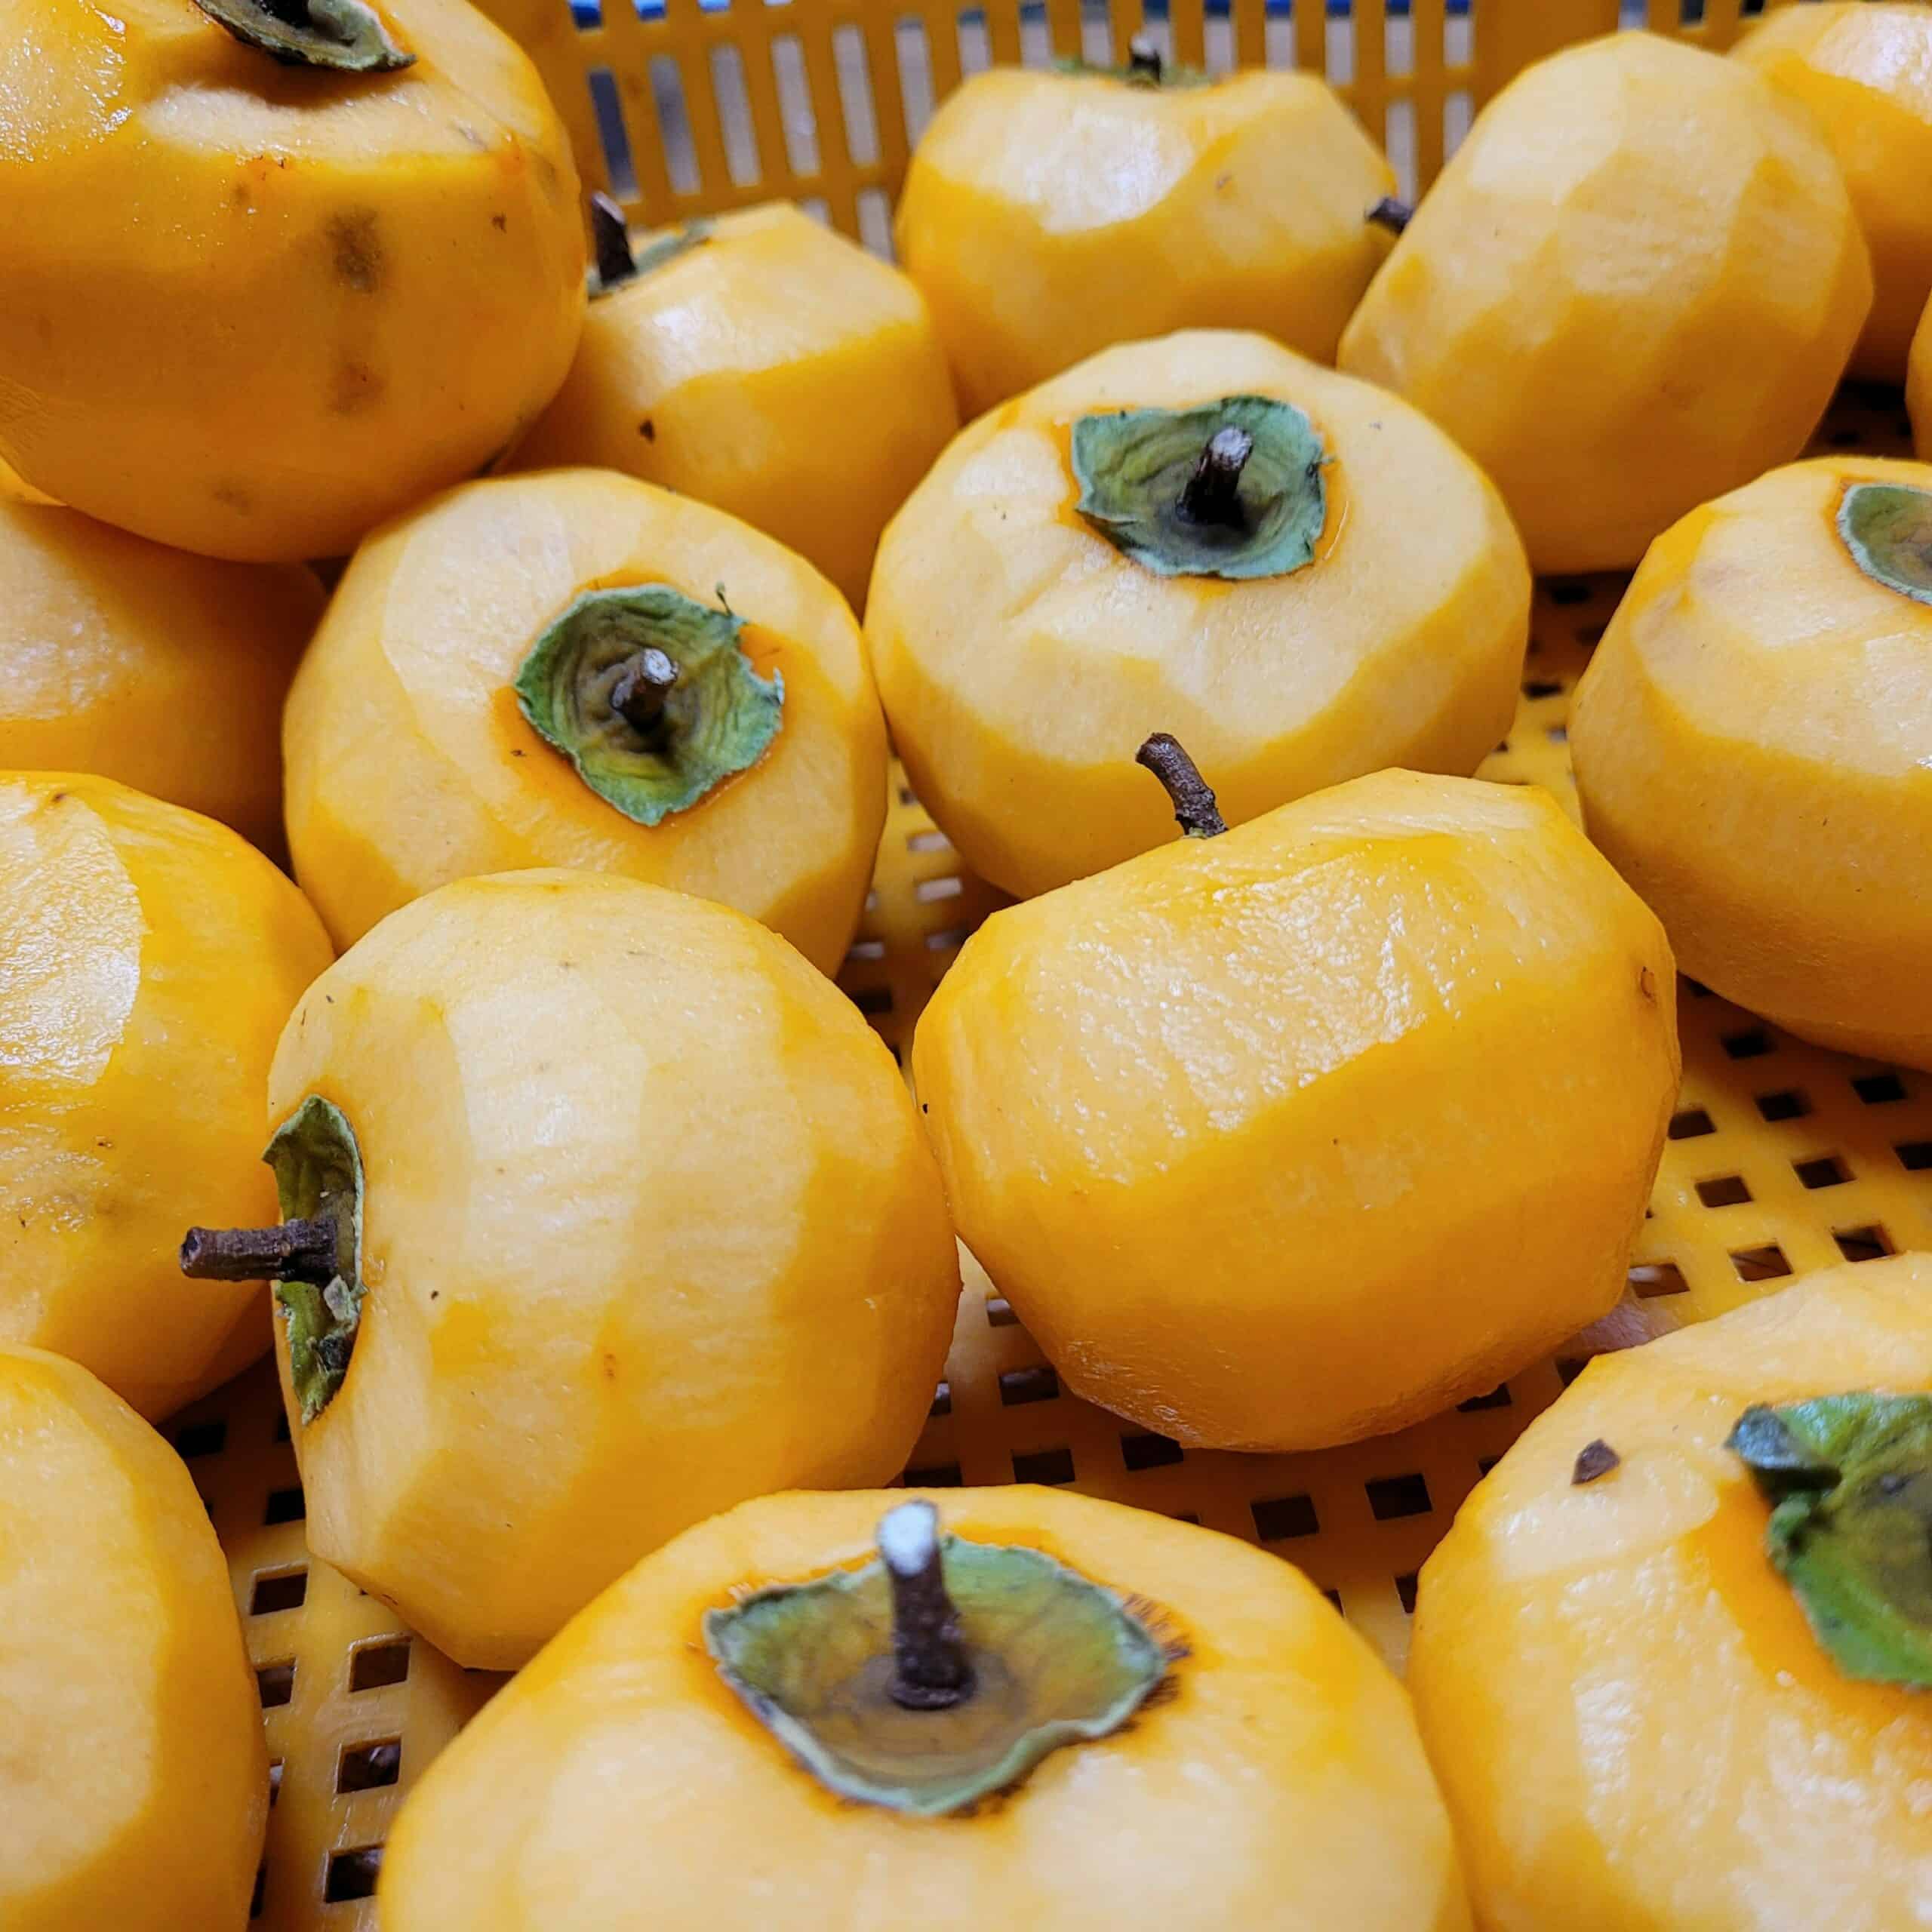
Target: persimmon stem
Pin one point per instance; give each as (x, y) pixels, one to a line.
(1195, 810)
(931, 1668)
(612, 235)
(1391, 213)
(644, 685)
(1213, 493)
(1143, 56)
(294, 1251)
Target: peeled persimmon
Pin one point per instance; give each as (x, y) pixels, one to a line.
(601, 1212)
(1017, 1705)
(275, 272)
(1284, 1136)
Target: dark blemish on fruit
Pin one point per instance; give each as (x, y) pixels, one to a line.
(59, 797)
(233, 496)
(610, 1368)
(356, 387)
(356, 248)
(648, 430)
(500, 222)
(1593, 1460)
(516, 751)
(1646, 983)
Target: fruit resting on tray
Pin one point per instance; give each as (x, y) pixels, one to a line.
(608, 1260)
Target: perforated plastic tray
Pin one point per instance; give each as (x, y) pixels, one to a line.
(1782, 1158)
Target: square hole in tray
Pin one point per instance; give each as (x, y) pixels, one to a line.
(1827, 1171)
(276, 1683)
(1051, 1465)
(1878, 1090)
(1280, 1519)
(1788, 1105)
(1753, 1043)
(1498, 1398)
(284, 1506)
(1649, 1279)
(1871, 1244)
(1761, 1264)
(936, 1475)
(197, 1439)
(1915, 1156)
(378, 1664)
(1035, 1383)
(352, 1875)
(1727, 1191)
(1691, 1123)
(1150, 1452)
(1392, 1497)
(278, 1589)
(369, 1767)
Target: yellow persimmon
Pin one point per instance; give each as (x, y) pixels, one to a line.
(735, 361)
(1635, 1722)
(1865, 71)
(134, 1783)
(252, 308)
(627, 1216)
(458, 711)
(1046, 215)
(1285, 1135)
(1269, 1777)
(164, 670)
(1635, 285)
(148, 959)
(1753, 747)
(1065, 580)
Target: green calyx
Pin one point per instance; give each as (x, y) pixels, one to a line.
(345, 35)
(1887, 528)
(939, 1674)
(649, 695)
(1849, 1479)
(1232, 489)
(318, 1175)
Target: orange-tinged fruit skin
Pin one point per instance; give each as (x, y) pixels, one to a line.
(148, 959)
(1635, 285)
(409, 765)
(133, 1787)
(1753, 750)
(1635, 1727)
(252, 309)
(1047, 215)
(650, 1227)
(1865, 71)
(1394, 1061)
(737, 372)
(1919, 387)
(1022, 659)
(164, 670)
(1279, 1787)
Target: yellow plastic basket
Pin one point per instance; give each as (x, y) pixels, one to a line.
(1782, 1158)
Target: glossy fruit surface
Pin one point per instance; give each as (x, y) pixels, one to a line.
(252, 309)
(133, 1784)
(411, 763)
(1023, 656)
(649, 1227)
(1634, 1725)
(1046, 215)
(736, 371)
(148, 959)
(620, 1766)
(1394, 1061)
(1572, 300)
(1865, 71)
(1753, 748)
(163, 670)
